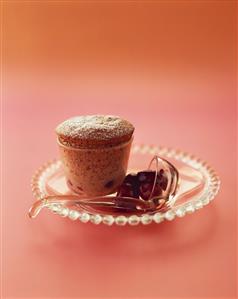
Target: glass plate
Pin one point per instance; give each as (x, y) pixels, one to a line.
(198, 185)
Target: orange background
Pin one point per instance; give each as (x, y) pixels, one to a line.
(167, 66)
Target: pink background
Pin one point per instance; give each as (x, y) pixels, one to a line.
(168, 67)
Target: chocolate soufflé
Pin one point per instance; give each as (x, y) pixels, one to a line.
(94, 150)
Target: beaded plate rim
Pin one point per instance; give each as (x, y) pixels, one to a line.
(212, 188)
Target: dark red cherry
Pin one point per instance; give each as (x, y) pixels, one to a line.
(147, 176)
(146, 182)
(131, 179)
(129, 187)
(162, 179)
(125, 190)
(142, 184)
(146, 189)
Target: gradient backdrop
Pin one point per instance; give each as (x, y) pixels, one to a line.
(167, 66)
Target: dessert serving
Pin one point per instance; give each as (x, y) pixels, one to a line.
(94, 150)
(102, 177)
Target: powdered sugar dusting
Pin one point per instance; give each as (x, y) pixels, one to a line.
(101, 127)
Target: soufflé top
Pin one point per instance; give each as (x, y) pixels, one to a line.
(94, 131)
